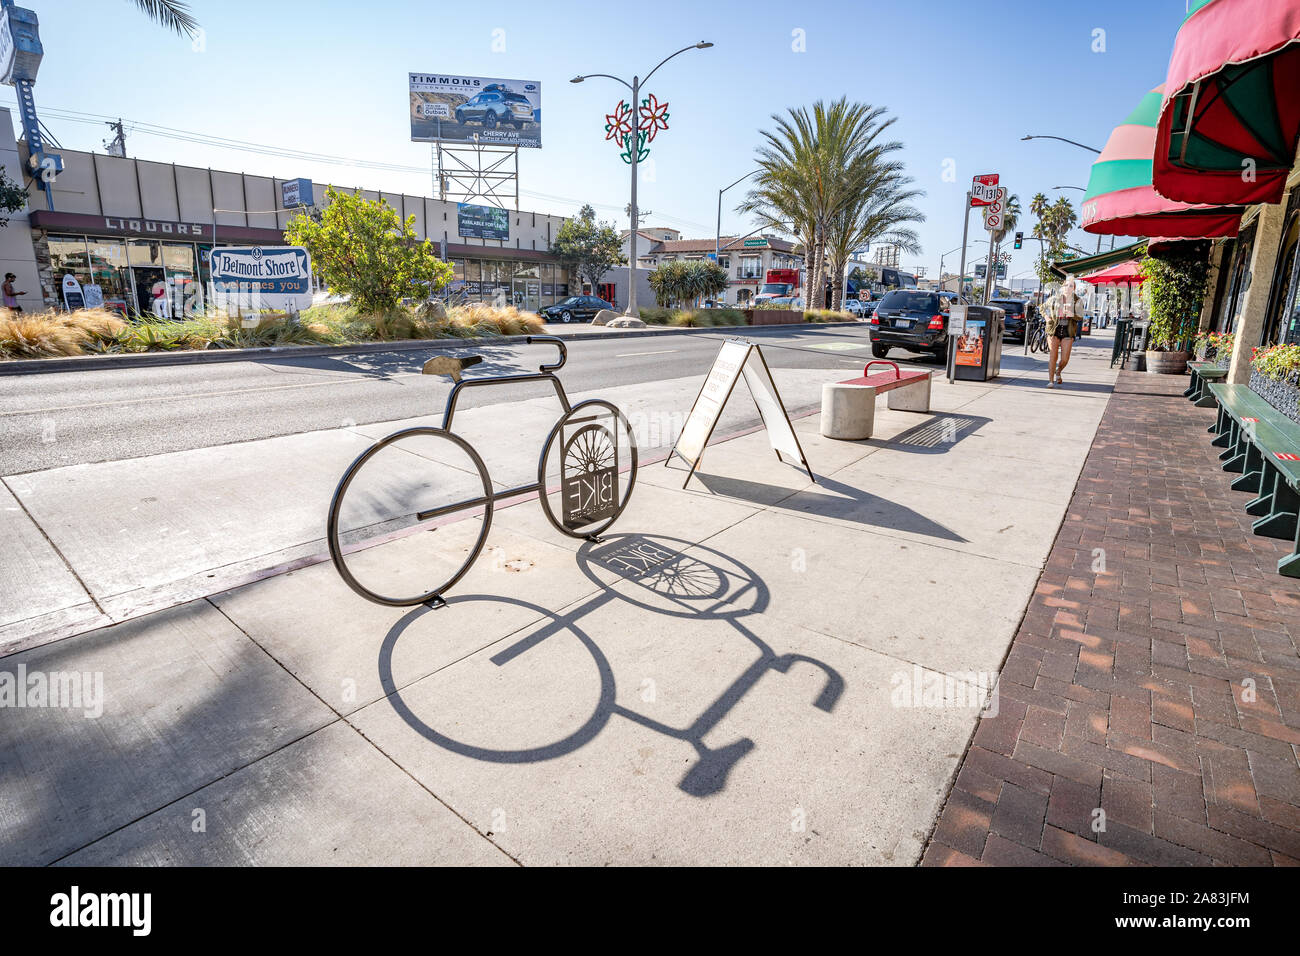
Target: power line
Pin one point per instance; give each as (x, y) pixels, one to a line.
(222, 142)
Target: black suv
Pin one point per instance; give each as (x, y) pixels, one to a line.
(1019, 313)
(574, 307)
(912, 319)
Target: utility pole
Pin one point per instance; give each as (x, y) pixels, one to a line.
(117, 145)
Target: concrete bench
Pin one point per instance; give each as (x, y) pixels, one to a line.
(849, 408)
(1203, 374)
(1263, 446)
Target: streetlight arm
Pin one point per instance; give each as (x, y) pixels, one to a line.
(1064, 140)
(693, 46)
(579, 79)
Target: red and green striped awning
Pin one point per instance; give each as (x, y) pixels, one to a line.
(1230, 120)
(1121, 200)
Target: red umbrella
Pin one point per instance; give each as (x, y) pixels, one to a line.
(1124, 272)
(1230, 120)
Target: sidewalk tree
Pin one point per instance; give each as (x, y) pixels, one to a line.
(819, 170)
(361, 248)
(588, 247)
(881, 213)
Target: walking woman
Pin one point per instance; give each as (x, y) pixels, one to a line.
(1062, 329)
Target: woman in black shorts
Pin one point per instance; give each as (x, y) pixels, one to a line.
(1062, 329)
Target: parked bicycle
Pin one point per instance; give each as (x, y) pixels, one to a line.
(396, 487)
(1038, 335)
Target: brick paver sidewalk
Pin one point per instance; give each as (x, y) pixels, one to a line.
(1129, 690)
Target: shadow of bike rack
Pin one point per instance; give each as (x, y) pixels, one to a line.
(680, 579)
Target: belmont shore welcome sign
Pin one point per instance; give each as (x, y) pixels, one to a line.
(736, 359)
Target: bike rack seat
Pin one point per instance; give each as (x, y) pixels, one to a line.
(450, 365)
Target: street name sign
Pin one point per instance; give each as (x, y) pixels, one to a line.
(738, 358)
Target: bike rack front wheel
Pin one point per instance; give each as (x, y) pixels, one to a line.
(589, 456)
(388, 521)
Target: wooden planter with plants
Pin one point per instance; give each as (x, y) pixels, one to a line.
(1176, 283)
(1275, 377)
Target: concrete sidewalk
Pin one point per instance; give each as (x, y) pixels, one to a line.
(743, 672)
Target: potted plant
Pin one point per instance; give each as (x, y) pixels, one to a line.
(1215, 347)
(1275, 377)
(1176, 285)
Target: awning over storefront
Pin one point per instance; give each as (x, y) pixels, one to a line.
(1121, 200)
(1230, 120)
(1103, 260)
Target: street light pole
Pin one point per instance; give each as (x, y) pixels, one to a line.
(717, 242)
(634, 149)
(1064, 140)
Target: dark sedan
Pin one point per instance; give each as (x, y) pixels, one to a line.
(1018, 312)
(913, 320)
(574, 309)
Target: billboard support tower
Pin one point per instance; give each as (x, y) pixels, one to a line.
(465, 173)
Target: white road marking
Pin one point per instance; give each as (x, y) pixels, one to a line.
(633, 354)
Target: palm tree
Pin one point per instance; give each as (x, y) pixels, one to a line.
(811, 168)
(882, 212)
(172, 14)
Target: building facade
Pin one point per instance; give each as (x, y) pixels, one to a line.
(746, 259)
(132, 227)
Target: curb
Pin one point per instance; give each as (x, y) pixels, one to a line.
(94, 363)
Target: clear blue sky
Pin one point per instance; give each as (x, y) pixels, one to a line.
(965, 79)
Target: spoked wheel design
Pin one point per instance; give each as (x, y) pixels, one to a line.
(393, 530)
(591, 456)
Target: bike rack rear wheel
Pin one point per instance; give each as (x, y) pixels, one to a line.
(339, 550)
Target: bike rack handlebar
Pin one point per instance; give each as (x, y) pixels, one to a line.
(550, 340)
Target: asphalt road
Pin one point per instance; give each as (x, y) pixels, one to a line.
(51, 420)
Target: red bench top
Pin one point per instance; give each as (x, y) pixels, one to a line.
(884, 381)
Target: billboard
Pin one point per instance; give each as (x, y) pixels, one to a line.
(295, 193)
(481, 110)
(482, 222)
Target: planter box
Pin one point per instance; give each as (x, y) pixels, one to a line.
(1282, 395)
(773, 316)
(1166, 363)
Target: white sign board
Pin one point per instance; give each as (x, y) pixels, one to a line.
(271, 277)
(737, 359)
(956, 320)
(995, 212)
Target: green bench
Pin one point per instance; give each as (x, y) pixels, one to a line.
(1263, 447)
(1203, 374)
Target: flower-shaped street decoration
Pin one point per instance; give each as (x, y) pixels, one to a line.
(642, 150)
(618, 124)
(654, 116)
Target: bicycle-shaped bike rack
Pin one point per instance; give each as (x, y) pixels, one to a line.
(591, 485)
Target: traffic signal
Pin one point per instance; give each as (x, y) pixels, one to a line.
(1020, 239)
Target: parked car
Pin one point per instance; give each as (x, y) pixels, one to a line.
(913, 320)
(495, 107)
(855, 307)
(1019, 312)
(574, 308)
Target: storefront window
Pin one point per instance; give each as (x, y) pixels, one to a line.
(68, 257)
(1280, 321)
(182, 286)
(148, 278)
(109, 272)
